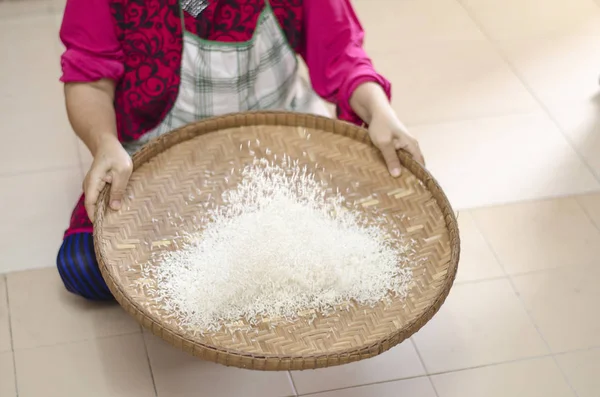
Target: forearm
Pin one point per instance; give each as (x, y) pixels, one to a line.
(368, 99)
(91, 111)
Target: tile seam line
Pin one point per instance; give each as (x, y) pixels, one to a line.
(149, 363)
(587, 213)
(544, 198)
(40, 171)
(420, 356)
(10, 333)
(292, 383)
(316, 393)
(453, 371)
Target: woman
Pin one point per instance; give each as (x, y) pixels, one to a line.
(135, 69)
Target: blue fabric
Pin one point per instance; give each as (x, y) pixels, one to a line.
(78, 268)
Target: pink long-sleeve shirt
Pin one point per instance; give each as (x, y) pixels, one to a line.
(326, 33)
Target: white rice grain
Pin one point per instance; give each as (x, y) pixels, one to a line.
(282, 244)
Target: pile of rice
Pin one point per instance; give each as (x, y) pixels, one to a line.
(282, 244)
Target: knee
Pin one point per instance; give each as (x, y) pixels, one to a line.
(78, 269)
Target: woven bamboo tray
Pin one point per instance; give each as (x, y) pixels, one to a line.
(157, 209)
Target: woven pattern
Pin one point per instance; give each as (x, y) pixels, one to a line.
(174, 174)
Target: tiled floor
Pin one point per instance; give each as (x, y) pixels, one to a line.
(504, 97)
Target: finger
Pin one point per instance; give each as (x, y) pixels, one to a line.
(415, 151)
(391, 159)
(412, 147)
(120, 178)
(93, 186)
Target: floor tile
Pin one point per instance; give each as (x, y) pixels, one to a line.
(505, 159)
(477, 261)
(179, 374)
(581, 369)
(115, 366)
(57, 17)
(560, 71)
(520, 19)
(55, 148)
(420, 387)
(531, 378)
(540, 235)
(401, 362)
(455, 80)
(410, 21)
(591, 205)
(7, 374)
(38, 297)
(480, 324)
(564, 305)
(5, 338)
(58, 6)
(581, 124)
(22, 78)
(35, 212)
(17, 8)
(28, 90)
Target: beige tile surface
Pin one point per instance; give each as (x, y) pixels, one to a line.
(34, 119)
(420, 387)
(43, 313)
(561, 71)
(452, 80)
(7, 375)
(535, 18)
(591, 205)
(581, 369)
(25, 61)
(540, 235)
(489, 161)
(5, 338)
(57, 18)
(115, 366)
(55, 149)
(10, 9)
(581, 124)
(58, 6)
(401, 362)
(477, 261)
(179, 374)
(36, 209)
(413, 21)
(564, 305)
(531, 378)
(480, 324)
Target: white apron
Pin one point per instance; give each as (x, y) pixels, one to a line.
(220, 78)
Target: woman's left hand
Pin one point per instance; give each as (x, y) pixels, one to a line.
(389, 135)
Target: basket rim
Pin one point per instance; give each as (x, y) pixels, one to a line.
(284, 119)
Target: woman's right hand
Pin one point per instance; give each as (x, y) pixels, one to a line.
(112, 165)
